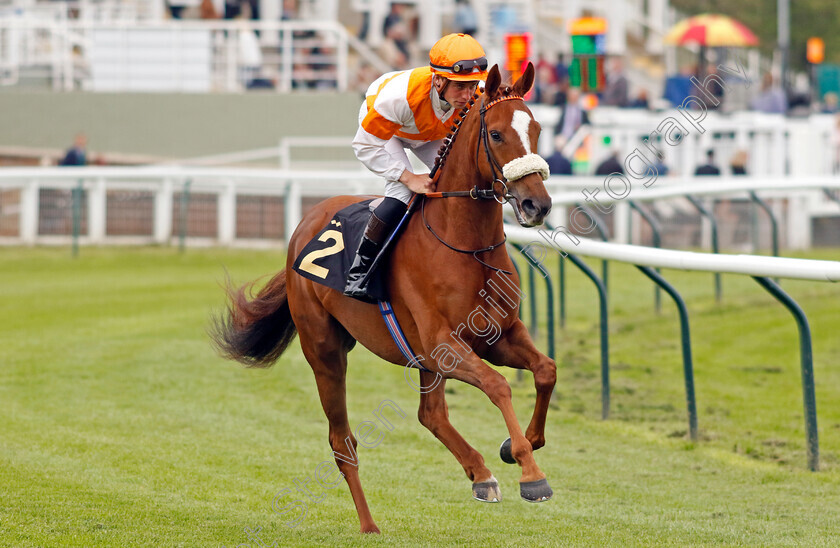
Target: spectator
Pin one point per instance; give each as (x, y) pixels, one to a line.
(772, 99)
(177, 7)
(250, 55)
(678, 87)
(290, 11)
(611, 165)
(395, 28)
(207, 10)
(233, 8)
(558, 164)
(738, 163)
(572, 116)
(394, 17)
(713, 87)
(466, 21)
(545, 84)
(390, 49)
(76, 155)
(709, 168)
(616, 91)
(830, 103)
(641, 100)
(659, 166)
(561, 77)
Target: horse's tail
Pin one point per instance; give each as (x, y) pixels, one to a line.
(255, 331)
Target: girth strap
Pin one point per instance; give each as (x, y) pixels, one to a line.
(399, 337)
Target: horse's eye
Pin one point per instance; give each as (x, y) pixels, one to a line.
(496, 136)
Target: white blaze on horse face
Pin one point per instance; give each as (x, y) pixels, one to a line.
(521, 122)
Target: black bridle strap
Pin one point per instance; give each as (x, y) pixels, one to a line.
(473, 252)
(494, 165)
(475, 193)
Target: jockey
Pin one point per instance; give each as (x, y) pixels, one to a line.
(410, 109)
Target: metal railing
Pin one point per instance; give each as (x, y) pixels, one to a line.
(760, 268)
(180, 55)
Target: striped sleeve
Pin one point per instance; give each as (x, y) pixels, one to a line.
(387, 111)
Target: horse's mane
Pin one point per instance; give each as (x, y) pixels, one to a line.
(448, 141)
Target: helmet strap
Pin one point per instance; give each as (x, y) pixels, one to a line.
(443, 89)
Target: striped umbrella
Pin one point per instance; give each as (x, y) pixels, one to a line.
(711, 30)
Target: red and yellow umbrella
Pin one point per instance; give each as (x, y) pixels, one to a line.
(711, 30)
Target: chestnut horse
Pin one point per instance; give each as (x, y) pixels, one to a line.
(433, 289)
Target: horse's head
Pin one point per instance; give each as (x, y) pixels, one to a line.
(509, 144)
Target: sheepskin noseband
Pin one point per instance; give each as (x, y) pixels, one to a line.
(525, 165)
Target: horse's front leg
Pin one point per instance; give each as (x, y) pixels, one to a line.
(471, 369)
(434, 415)
(516, 349)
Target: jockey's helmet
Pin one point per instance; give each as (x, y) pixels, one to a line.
(458, 57)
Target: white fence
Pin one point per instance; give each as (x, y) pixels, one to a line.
(215, 206)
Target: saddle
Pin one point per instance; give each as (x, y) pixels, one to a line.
(327, 258)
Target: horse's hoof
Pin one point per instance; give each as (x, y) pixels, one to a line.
(487, 491)
(506, 453)
(535, 491)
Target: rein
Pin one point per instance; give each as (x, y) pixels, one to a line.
(473, 252)
(475, 193)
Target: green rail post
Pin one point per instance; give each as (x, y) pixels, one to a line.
(685, 336)
(806, 357)
(184, 207)
(562, 275)
(605, 343)
(601, 226)
(656, 230)
(76, 212)
(715, 249)
(518, 275)
(549, 289)
(532, 304)
(774, 225)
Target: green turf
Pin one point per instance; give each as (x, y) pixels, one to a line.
(120, 427)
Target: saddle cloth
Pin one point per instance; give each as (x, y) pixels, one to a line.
(328, 256)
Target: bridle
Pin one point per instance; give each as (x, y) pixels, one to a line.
(498, 173)
(476, 193)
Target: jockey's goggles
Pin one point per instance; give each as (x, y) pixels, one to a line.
(464, 67)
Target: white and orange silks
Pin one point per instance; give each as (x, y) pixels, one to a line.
(401, 110)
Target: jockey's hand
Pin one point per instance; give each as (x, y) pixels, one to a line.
(420, 184)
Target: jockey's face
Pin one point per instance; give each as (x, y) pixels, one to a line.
(457, 93)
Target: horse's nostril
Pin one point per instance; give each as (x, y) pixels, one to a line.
(529, 207)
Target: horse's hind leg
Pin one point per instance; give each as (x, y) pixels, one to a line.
(434, 415)
(325, 344)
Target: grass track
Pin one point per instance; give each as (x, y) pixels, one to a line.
(121, 428)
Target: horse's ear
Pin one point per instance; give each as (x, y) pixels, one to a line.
(491, 85)
(524, 83)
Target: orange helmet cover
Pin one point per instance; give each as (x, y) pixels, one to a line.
(458, 57)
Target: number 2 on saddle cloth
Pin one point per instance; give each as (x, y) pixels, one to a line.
(327, 258)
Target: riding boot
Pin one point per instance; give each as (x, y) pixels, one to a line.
(379, 227)
(376, 233)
